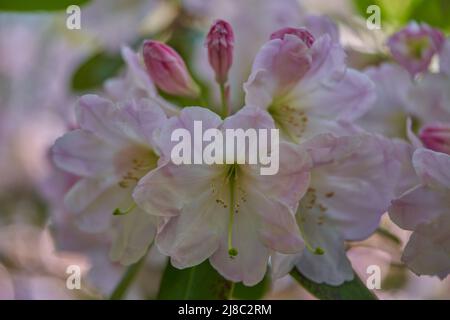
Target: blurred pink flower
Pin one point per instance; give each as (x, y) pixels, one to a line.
(414, 46)
(392, 106)
(424, 209)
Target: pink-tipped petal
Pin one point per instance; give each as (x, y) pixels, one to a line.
(168, 70)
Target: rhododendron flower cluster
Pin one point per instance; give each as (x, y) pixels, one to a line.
(347, 150)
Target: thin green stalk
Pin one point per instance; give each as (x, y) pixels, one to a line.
(231, 292)
(127, 279)
(223, 99)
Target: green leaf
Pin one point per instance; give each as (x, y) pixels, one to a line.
(433, 12)
(39, 5)
(196, 283)
(95, 70)
(256, 292)
(350, 290)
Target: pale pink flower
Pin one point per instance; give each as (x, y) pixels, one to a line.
(305, 85)
(424, 209)
(320, 25)
(414, 46)
(352, 183)
(215, 211)
(392, 106)
(220, 44)
(168, 70)
(114, 147)
(399, 98)
(429, 99)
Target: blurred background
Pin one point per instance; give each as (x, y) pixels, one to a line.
(45, 67)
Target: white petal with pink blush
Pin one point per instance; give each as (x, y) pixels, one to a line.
(228, 213)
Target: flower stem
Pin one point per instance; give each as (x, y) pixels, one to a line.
(231, 292)
(224, 100)
(127, 279)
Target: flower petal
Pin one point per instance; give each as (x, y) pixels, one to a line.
(185, 120)
(320, 25)
(392, 103)
(249, 117)
(97, 216)
(135, 232)
(282, 264)
(432, 167)
(428, 249)
(165, 190)
(84, 192)
(429, 99)
(194, 235)
(140, 120)
(417, 206)
(250, 264)
(96, 114)
(278, 228)
(347, 97)
(289, 184)
(328, 64)
(82, 153)
(356, 190)
(331, 267)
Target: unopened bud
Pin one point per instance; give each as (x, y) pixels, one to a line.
(220, 44)
(168, 70)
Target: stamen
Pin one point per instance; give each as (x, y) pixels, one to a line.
(232, 175)
(119, 212)
(292, 121)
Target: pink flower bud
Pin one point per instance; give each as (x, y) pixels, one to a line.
(414, 46)
(301, 33)
(293, 56)
(220, 43)
(168, 70)
(436, 137)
